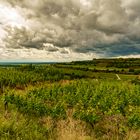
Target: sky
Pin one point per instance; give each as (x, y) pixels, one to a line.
(67, 30)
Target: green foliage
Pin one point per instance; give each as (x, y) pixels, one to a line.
(91, 101)
(134, 119)
(18, 77)
(136, 81)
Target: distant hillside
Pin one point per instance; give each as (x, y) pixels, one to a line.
(117, 63)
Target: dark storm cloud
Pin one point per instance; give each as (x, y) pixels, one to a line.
(123, 49)
(107, 27)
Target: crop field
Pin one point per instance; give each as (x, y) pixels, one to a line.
(88, 100)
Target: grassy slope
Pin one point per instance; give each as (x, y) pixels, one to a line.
(17, 124)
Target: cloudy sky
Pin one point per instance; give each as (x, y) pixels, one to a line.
(65, 30)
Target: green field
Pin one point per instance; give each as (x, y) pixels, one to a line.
(71, 101)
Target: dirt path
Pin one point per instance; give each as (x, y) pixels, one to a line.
(118, 77)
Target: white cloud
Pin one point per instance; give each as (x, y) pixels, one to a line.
(42, 55)
(69, 29)
(129, 56)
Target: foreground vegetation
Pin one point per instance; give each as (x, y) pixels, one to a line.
(46, 102)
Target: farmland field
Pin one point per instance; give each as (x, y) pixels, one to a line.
(71, 101)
